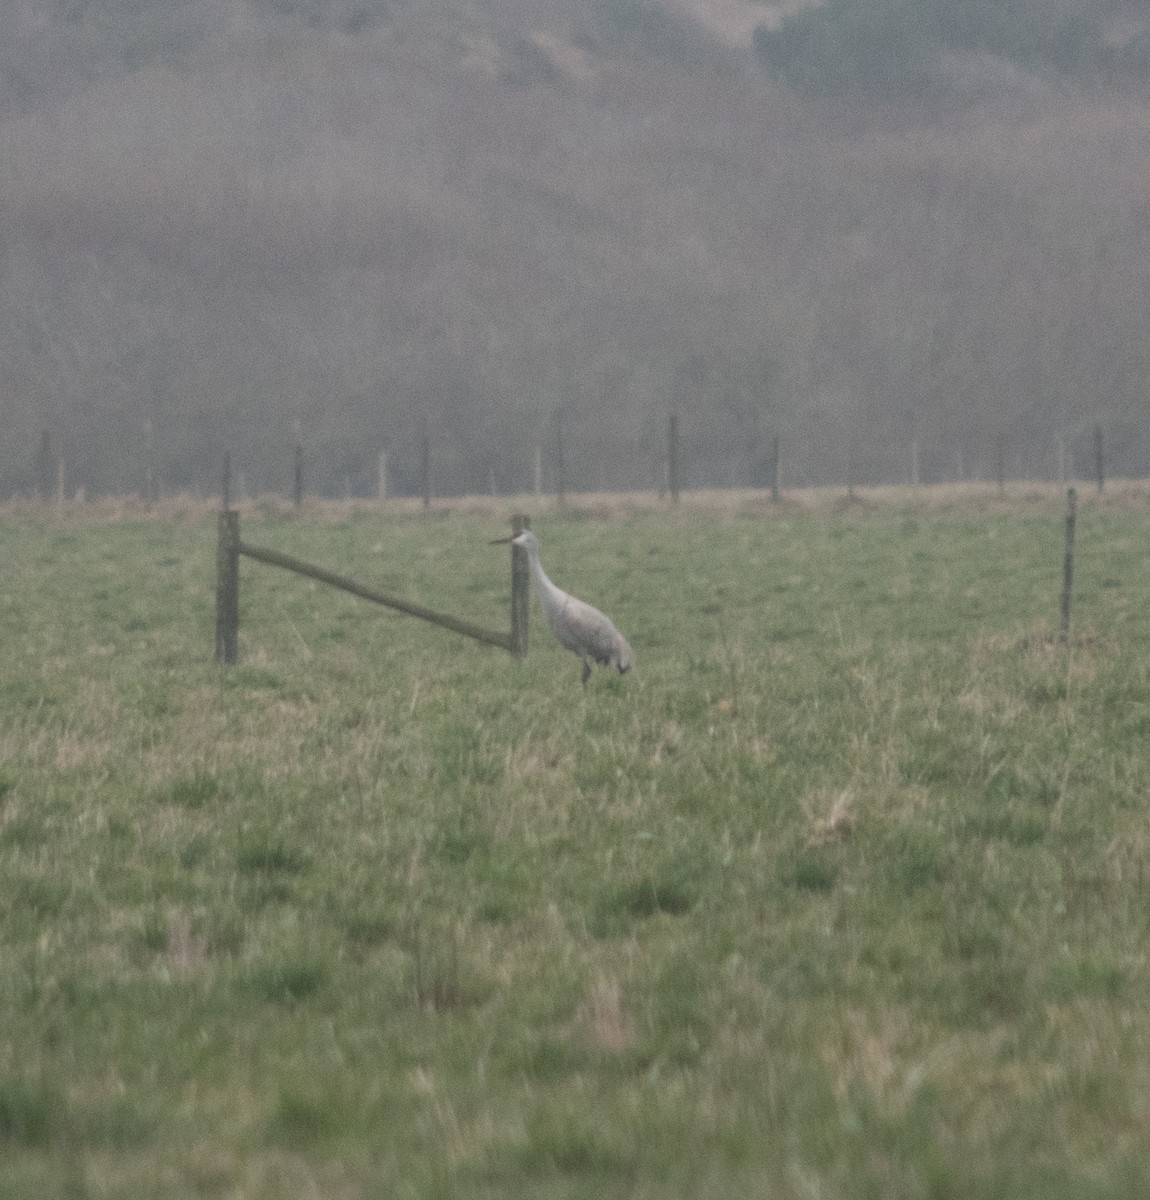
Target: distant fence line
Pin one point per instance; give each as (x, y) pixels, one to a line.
(50, 475)
(230, 548)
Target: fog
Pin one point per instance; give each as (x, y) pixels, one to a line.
(227, 225)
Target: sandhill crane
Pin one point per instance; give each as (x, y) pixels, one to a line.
(574, 623)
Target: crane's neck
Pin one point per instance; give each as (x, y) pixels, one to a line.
(548, 592)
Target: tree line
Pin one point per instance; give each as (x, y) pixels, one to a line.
(481, 223)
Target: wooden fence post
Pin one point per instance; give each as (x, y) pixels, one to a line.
(297, 482)
(774, 469)
(1000, 463)
(226, 483)
(520, 589)
(1099, 460)
(228, 588)
(560, 463)
(673, 457)
(1068, 565)
(382, 477)
(537, 471)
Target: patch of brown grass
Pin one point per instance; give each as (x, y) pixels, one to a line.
(603, 1020)
(187, 953)
(829, 822)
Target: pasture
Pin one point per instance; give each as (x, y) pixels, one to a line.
(845, 894)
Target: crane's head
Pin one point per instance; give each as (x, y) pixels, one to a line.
(526, 539)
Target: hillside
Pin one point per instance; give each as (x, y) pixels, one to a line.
(229, 217)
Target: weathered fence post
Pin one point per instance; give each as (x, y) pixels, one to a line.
(1099, 460)
(673, 457)
(382, 477)
(774, 469)
(226, 483)
(1068, 565)
(228, 588)
(520, 589)
(1000, 463)
(297, 480)
(537, 471)
(61, 481)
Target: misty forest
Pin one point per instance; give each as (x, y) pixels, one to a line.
(909, 238)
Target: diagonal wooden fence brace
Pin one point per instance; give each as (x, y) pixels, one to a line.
(227, 594)
(491, 636)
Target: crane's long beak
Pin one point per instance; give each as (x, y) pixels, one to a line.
(501, 541)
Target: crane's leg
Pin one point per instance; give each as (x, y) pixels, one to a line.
(586, 673)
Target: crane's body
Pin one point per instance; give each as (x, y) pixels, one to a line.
(575, 624)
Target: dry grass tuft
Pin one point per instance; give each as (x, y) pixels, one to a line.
(187, 953)
(833, 824)
(603, 1020)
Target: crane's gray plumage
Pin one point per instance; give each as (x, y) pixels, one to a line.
(574, 623)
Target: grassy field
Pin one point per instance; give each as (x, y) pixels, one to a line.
(844, 894)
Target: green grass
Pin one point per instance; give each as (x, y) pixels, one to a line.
(844, 894)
